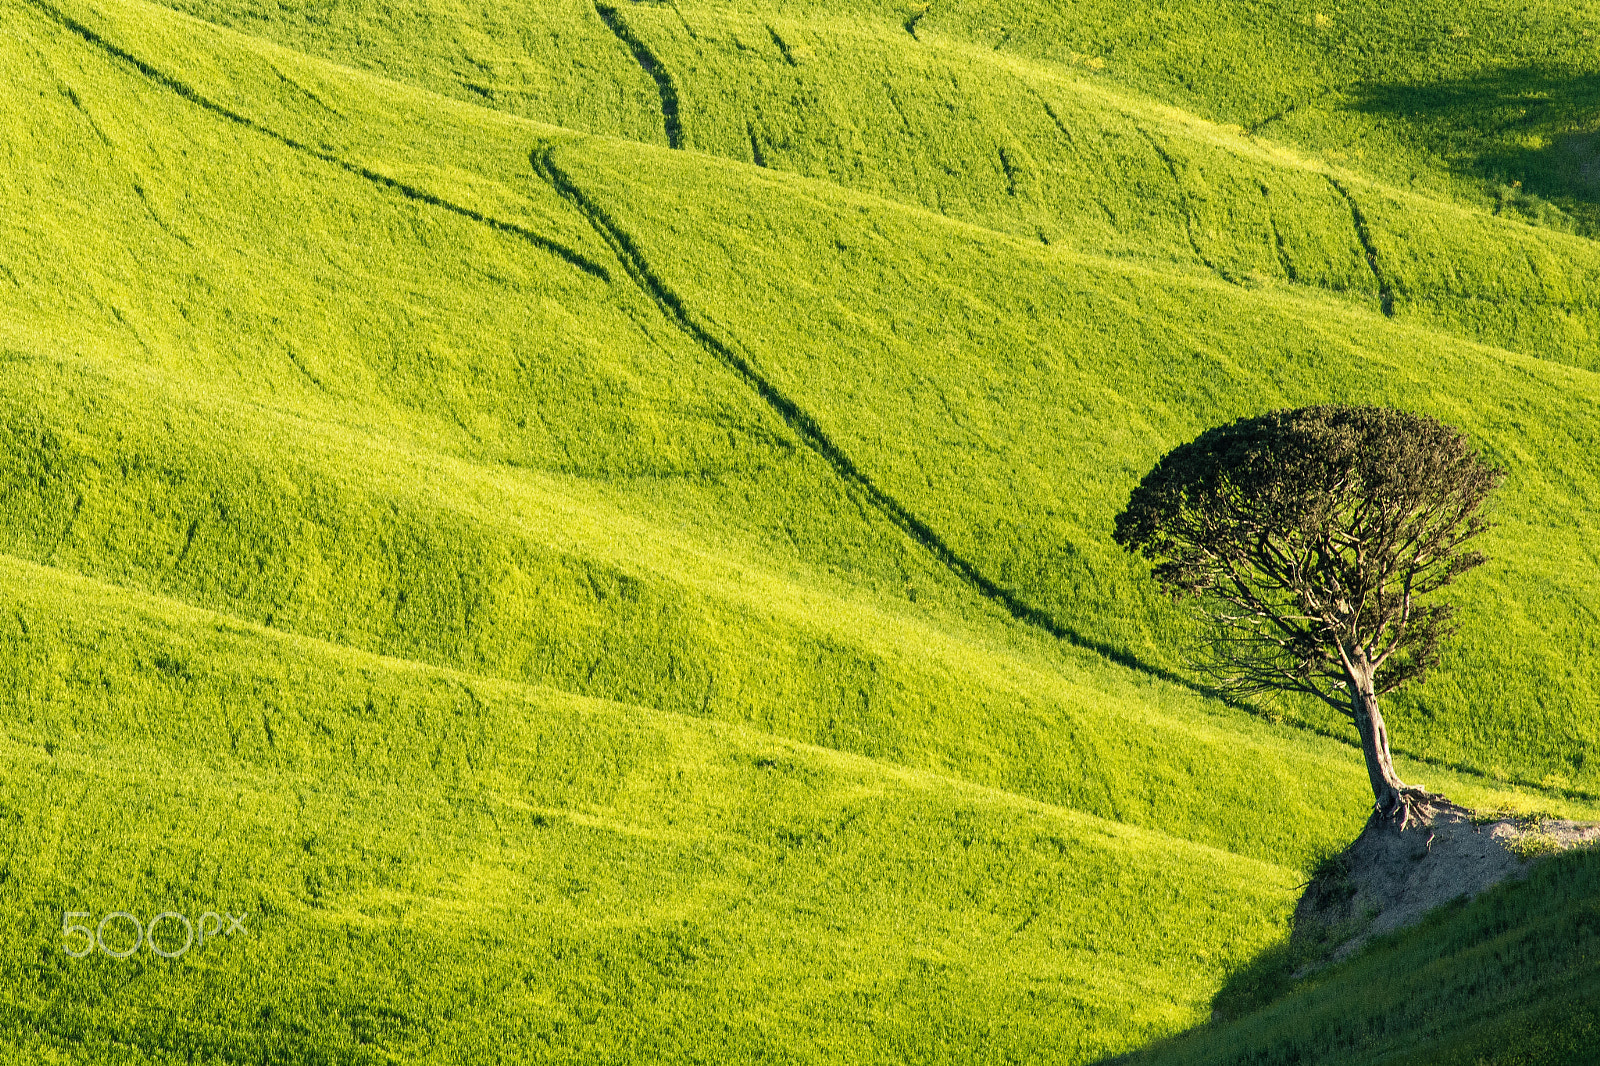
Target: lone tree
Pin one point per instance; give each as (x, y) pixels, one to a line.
(1309, 536)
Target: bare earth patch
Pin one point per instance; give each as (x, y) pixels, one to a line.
(1389, 879)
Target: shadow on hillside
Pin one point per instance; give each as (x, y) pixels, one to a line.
(1531, 135)
(1429, 991)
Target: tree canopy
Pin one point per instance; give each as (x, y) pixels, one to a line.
(1310, 537)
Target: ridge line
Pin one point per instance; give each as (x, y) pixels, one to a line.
(473, 684)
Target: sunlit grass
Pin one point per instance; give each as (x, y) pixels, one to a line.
(594, 602)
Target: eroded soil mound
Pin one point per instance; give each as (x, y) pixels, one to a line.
(1389, 879)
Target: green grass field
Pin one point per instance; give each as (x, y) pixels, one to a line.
(591, 524)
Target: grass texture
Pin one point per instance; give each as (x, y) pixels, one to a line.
(591, 525)
(1505, 979)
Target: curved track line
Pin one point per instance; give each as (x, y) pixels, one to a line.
(1364, 235)
(816, 438)
(570, 256)
(1183, 197)
(1279, 116)
(651, 66)
(783, 47)
(911, 23)
(1278, 240)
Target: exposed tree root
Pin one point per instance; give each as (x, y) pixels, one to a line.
(1414, 806)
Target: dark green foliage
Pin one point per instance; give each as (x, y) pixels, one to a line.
(1310, 535)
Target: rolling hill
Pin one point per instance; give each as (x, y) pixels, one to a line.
(591, 524)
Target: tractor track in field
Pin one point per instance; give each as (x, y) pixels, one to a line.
(783, 47)
(665, 86)
(571, 256)
(911, 23)
(1283, 113)
(1278, 242)
(1055, 117)
(672, 307)
(1364, 235)
(1183, 198)
(811, 432)
(756, 155)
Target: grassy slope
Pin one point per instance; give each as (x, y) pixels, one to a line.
(323, 527)
(1507, 979)
(441, 865)
(1011, 115)
(285, 479)
(1450, 99)
(540, 477)
(1023, 393)
(1031, 453)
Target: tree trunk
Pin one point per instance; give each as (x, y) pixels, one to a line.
(1394, 801)
(1388, 790)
